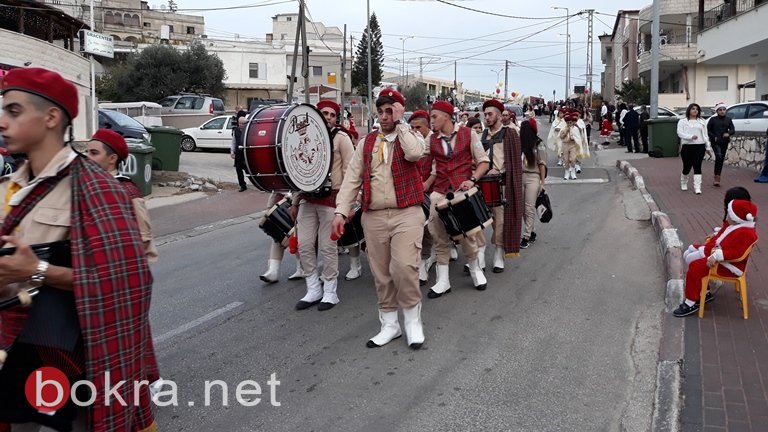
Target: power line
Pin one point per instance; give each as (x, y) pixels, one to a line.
(493, 13)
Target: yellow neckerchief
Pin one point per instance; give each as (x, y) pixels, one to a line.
(13, 187)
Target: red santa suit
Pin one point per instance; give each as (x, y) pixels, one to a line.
(728, 243)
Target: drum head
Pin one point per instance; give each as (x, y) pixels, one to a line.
(306, 147)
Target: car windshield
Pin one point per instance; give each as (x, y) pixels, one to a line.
(123, 120)
(167, 102)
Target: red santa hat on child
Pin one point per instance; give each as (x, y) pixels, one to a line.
(742, 211)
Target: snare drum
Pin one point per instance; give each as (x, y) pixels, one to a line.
(287, 148)
(277, 222)
(353, 232)
(464, 213)
(493, 193)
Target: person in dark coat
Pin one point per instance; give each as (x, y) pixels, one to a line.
(644, 116)
(720, 128)
(631, 125)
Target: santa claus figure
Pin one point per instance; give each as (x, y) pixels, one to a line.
(730, 242)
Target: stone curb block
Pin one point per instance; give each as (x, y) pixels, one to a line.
(667, 412)
(675, 289)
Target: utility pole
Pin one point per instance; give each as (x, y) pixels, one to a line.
(421, 68)
(506, 79)
(292, 78)
(305, 51)
(370, 79)
(94, 106)
(655, 39)
(455, 82)
(343, 66)
(590, 57)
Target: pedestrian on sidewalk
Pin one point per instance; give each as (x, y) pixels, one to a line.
(730, 242)
(534, 172)
(644, 116)
(631, 124)
(720, 128)
(694, 143)
(606, 129)
(236, 150)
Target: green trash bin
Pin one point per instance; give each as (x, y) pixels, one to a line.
(138, 166)
(662, 136)
(167, 143)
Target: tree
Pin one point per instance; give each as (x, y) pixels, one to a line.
(160, 71)
(635, 92)
(172, 6)
(360, 68)
(415, 96)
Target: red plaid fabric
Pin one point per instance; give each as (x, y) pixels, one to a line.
(130, 187)
(408, 185)
(513, 193)
(454, 169)
(425, 167)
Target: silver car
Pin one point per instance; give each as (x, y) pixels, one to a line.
(189, 103)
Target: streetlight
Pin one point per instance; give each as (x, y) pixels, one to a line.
(567, 50)
(497, 76)
(402, 74)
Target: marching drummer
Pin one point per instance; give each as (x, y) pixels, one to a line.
(277, 251)
(385, 168)
(419, 122)
(455, 149)
(314, 214)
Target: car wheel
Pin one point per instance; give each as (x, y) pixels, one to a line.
(188, 143)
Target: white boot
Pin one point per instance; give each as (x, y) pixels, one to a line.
(683, 182)
(567, 174)
(354, 268)
(299, 273)
(481, 257)
(314, 292)
(498, 260)
(454, 253)
(390, 329)
(697, 184)
(443, 284)
(414, 331)
(573, 173)
(423, 272)
(578, 169)
(330, 298)
(559, 161)
(273, 272)
(431, 260)
(478, 278)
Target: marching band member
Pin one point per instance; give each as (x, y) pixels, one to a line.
(553, 139)
(314, 216)
(419, 122)
(277, 251)
(571, 139)
(455, 149)
(385, 168)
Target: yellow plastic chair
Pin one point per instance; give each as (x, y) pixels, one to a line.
(740, 282)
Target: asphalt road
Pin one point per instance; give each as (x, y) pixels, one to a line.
(566, 339)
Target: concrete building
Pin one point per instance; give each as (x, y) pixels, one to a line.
(436, 87)
(718, 47)
(326, 46)
(41, 36)
(682, 79)
(608, 76)
(619, 53)
(255, 70)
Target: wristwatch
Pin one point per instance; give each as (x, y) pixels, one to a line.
(37, 279)
(473, 179)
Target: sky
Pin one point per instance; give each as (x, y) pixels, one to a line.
(437, 33)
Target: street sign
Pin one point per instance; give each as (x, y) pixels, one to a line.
(97, 44)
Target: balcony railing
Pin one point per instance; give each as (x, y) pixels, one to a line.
(729, 10)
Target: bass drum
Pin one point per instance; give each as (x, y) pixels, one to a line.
(287, 148)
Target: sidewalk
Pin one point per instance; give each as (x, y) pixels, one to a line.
(725, 370)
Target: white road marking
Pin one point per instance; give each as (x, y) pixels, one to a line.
(192, 324)
(589, 180)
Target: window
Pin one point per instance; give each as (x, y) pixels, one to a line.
(170, 29)
(216, 123)
(253, 70)
(147, 24)
(317, 71)
(331, 77)
(289, 19)
(168, 102)
(218, 105)
(186, 102)
(756, 111)
(190, 30)
(738, 112)
(717, 83)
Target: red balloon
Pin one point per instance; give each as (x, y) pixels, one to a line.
(498, 91)
(514, 94)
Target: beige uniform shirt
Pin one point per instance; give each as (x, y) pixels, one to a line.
(498, 153)
(383, 194)
(50, 219)
(145, 226)
(342, 154)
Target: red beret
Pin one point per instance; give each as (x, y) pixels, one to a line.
(329, 104)
(390, 95)
(419, 114)
(494, 103)
(113, 140)
(46, 84)
(572, 117)
(443, 106)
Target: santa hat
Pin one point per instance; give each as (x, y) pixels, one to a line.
(113, 140)
(329, 104)
(443, 106)
(742, 211)
(419, 114)
(720, 105)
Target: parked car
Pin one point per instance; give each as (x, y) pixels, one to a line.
(662, 113)
(706, 112)
(517, 109)
(749, 116)
(215, 133)
(122, 124)
(258, 103)
(186, 103)
(146, 113)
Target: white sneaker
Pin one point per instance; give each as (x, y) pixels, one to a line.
(354, 269)
(578, 169)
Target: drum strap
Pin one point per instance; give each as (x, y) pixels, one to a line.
(488, 144)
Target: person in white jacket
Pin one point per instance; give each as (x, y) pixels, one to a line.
(694, 143)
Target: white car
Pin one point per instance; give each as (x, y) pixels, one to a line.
(749, 116)
(662, 111)
(215, 133)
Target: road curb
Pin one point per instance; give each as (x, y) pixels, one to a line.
(668, 400)
(203, 229)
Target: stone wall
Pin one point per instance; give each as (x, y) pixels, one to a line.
(747, 150)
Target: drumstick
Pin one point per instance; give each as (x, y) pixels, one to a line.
(23, 298)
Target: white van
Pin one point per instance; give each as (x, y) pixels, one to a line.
(146, 113)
